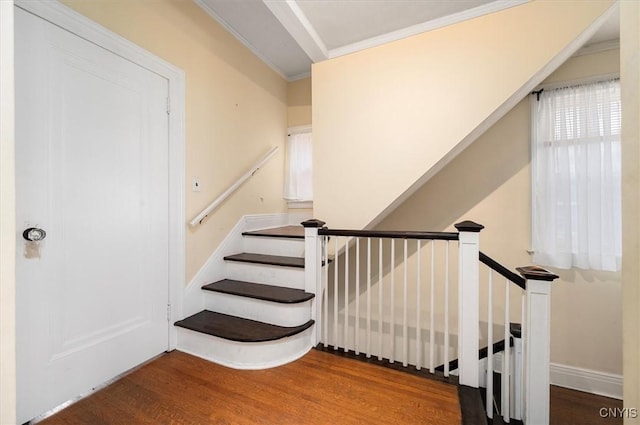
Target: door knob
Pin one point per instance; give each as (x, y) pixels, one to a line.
(34, 234)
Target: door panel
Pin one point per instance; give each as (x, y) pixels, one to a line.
(92, 171)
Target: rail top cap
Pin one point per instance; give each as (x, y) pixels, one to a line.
(536, 273)
(314, 222)
(469, 226)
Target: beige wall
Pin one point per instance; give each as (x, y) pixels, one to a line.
(236, 109)
(7, 220)
(490, 183)
(299, 103)
(401, 107)
(630, 79)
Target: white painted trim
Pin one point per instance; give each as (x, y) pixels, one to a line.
(240, 38)
(587, 380)
(299, 76)
(598, 47)
(500, 112)
(453, 19)
(299, 129)
(297, 24)
(7, 218)
(64, 17)
(214, 268)
(300, 205)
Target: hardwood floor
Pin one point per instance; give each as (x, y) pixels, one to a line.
(570, 407)
(318, 389)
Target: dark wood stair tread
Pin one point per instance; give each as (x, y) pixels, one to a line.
(273, 260)
(238, 329)
(259, 291)
(290, 232)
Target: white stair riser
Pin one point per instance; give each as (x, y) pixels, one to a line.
(245, 355)
(287, 277)
(287, 247)
(260, 310)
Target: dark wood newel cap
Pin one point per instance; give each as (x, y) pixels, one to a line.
(314, 222)
(469, 226)
(536, 273)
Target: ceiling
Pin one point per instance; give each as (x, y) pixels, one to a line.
(290, 35)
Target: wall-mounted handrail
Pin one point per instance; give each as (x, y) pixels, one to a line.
(220, 199)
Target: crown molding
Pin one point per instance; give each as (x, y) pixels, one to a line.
(455, 18)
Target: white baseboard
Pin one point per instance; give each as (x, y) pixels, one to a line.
(590, 381)
(575, 378)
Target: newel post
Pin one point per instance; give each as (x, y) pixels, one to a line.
(313, 271)
(468, 303)
(537, 343)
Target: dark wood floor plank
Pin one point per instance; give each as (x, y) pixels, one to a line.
(318, 389)
(571, 407)
(291, 232)
(270, 260)
(259, 291)
(238, 329)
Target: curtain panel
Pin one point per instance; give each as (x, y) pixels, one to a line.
(576, 177)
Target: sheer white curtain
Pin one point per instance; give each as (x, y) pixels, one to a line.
(576, 178)
(298, 184)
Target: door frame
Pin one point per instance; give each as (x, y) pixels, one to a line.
(70, 20)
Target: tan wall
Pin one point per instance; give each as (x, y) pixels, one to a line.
(490, 183)
(401, 107)
(236, 109)
(299, 103)
(630, 79)
(7, 220)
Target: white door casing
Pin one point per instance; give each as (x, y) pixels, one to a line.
(95, 169)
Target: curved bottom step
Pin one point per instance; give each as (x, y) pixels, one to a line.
(245, 355)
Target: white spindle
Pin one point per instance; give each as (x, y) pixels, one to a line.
(405, 333)
(346, 295)
(432, 346)
(506, 358)
(335, 296)
(418, 309)
(489, 398)
(446, 311)
(380, 319)
(325, 292)
(368, 297)
(392, 329)
(356, 322)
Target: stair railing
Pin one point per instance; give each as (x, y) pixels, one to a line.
(390, 295)
(224, 195)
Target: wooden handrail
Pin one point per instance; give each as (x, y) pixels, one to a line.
(391, 234)
(505, 272)
(220, 199)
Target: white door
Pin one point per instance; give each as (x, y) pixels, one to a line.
(92, 172)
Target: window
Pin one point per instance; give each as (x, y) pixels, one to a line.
(298, 185)
(576, 177)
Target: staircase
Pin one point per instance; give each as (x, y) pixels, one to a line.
(260, 315)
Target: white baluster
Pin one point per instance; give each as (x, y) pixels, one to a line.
(380, 318)
(346, 295)
(432, 346)
(446, 311)
(325, 291)
(392, 299)
(489, 398)
(506, 359)
(418, 309)
(335, 296)
(405, 333)
(368, 297)
(356, 322)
